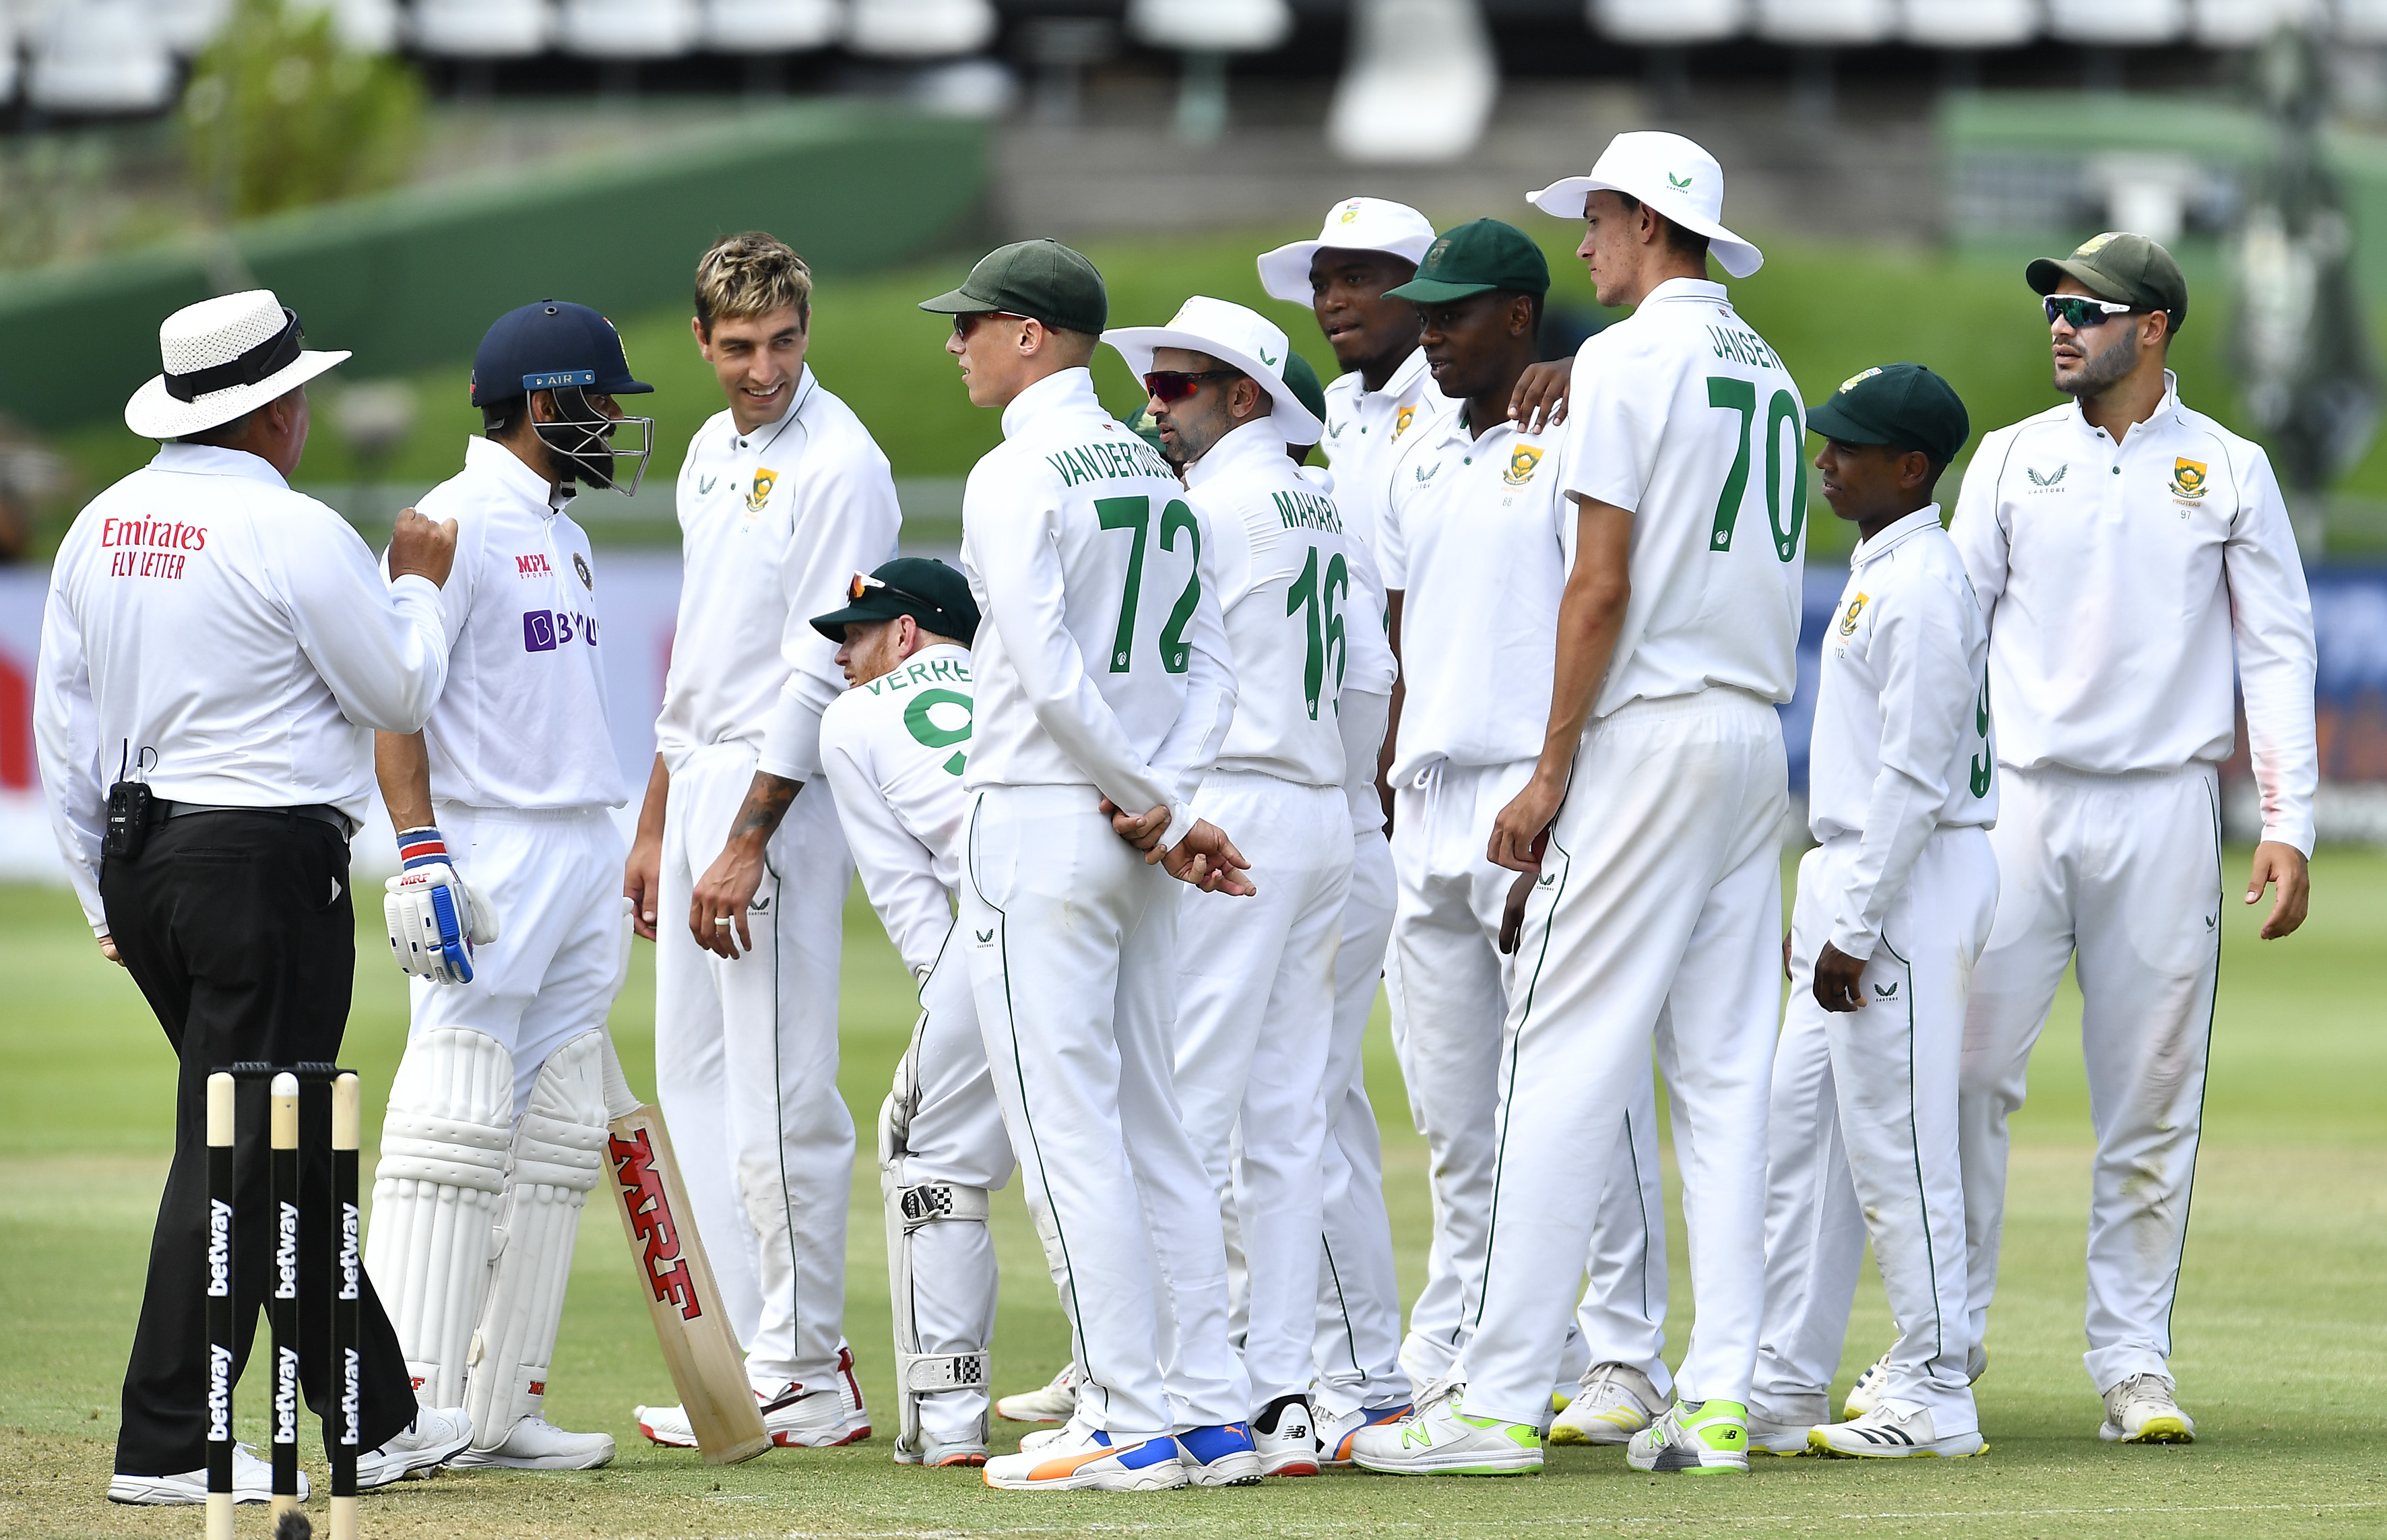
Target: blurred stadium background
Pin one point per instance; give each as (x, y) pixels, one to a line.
(402, 171)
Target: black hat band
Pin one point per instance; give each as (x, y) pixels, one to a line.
(266, 359)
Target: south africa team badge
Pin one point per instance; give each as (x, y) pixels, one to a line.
(764, 482)
(1522, 466)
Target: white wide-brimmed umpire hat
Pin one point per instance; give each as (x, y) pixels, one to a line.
(1354, 224)
(1672, 175)
(1234, 336)
(223, 357)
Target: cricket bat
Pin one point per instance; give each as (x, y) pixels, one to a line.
(707, 1365)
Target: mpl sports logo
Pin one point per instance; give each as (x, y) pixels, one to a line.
(533, 566)
(652, 1222)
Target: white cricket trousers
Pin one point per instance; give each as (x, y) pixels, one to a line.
(1862, 1135)
(2120, 875)
(1254, 1022)
(746, 1068)
(563, 939)
(1661, 894)
(1452, 986)
(1071, 944)
(1357, 1347)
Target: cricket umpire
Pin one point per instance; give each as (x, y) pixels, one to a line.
(215, 654)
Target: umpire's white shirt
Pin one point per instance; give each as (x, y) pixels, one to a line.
(1366, 431)
(773, 525)
(894, 749)
(521, 720)
(232, 636)
(1101, 660)
(1902, 743)
(2115, 577)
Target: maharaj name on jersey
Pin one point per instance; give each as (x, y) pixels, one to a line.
(1307, 510)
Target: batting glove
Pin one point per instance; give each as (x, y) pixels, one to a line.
(434, 917)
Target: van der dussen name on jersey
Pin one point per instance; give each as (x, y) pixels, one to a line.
(1307, 510)
(1742, 346)
(1115, 460)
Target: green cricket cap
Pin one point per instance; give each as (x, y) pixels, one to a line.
(920, 587)
(1477, 257)
(2129, 269)
(1903, 406)
(1041, 280)
(1302, 379)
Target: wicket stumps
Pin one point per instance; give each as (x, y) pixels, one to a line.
(347, 1271)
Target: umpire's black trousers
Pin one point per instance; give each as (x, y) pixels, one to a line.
(238, 928)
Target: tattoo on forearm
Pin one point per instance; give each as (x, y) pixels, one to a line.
(766, 804)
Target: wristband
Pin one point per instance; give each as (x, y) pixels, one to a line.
(419, 847)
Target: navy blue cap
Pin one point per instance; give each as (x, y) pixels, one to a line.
(551, 345)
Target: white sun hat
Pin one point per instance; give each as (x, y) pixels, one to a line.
(1234, 336)
(1672, 175)
(1354, 224)
(223, 357)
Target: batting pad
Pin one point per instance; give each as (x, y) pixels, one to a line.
(556, 1156)
(443, 1166)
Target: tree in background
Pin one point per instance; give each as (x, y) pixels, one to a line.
(279, 113)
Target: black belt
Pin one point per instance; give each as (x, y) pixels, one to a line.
(162, 809)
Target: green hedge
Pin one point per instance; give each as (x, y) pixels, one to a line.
(413, 278)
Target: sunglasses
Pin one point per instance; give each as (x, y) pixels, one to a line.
(1167, 386)
(967, 321)
(863, 583)
(2079, 311)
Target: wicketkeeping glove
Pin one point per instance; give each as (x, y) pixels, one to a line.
(434, 917)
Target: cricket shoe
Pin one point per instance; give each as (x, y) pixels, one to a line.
(537, 1445)
(796, 1418)
(934, 1452)
(252, 1482)
(1442, 1440)
(1697, 1438)
(1091, 1463)
(1220, 1455)
(1614, 1402)
(435, 1436)
(2140, 1410)
(1050, 1403)
(1883, 1434)
(1786, 1434)
(1335, 1436)
(1864, 1396)
(1286, 1437)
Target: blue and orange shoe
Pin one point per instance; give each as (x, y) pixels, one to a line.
(1220, 1455)
(1094, 1463)
(1335, 1433)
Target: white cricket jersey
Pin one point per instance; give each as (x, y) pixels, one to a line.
(228, 637)
(1901, 744)
(773, 525)
(1474, 540)
(1366, 705)
(1100, 658)
(2115, 577)
(522, 720)
(894, 749)
(1681, 415)
(1284, 591)
(1366, 431)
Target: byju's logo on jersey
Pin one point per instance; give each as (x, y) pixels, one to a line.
(2188, 478)
(1522, 466)
(761, 491)
(2048, 483)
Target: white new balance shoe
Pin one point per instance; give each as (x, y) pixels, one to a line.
(252, 1482)
(1048, 1403)
(435, 1436)
(535, 1444)
(1694, 1438)
(1865, 1395)
(1443, 1440)
(1884, 1433)
(1781, 1427)
(1614, 1402)
(2141, 1410)
(1286, 1437)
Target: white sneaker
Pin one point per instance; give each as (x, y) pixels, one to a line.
(1694, 1437)
(1442, 1440)
(2140, 1410)
(1049, 1403)
(435, 1436)
(1615, 1402)
(537, 1445)
(1780, 1428)
(1091, 1463)
(934, 1452)
(1290, 1447)
(796, 1418)
(252, 1482)
(1045, 1438)
(1884, 1433)
(1335, 1436)
(1864, 1396)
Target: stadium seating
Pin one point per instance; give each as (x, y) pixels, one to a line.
(1210, 26)
(1956, 24)
(1826, 23)
(2243, 23)
(749, 27)
(920, 29)
(1665, 24)
(100, 57)
(626, 31)
(482, 29)
(1420, 85)
(2117, 23)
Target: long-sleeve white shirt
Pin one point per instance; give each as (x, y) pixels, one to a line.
(1366, 431)
(1101, 657)
(2115, 578)
(229, 637)
(773, 525)
(521, 721)
(894, 749)
(1902, 743)
(1367, 670)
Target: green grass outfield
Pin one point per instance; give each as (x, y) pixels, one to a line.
(2281, 1350)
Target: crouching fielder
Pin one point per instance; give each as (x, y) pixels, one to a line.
(1893, 908)
(497, 1118)
(894, 747)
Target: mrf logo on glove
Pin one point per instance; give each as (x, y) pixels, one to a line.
(434, 917)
